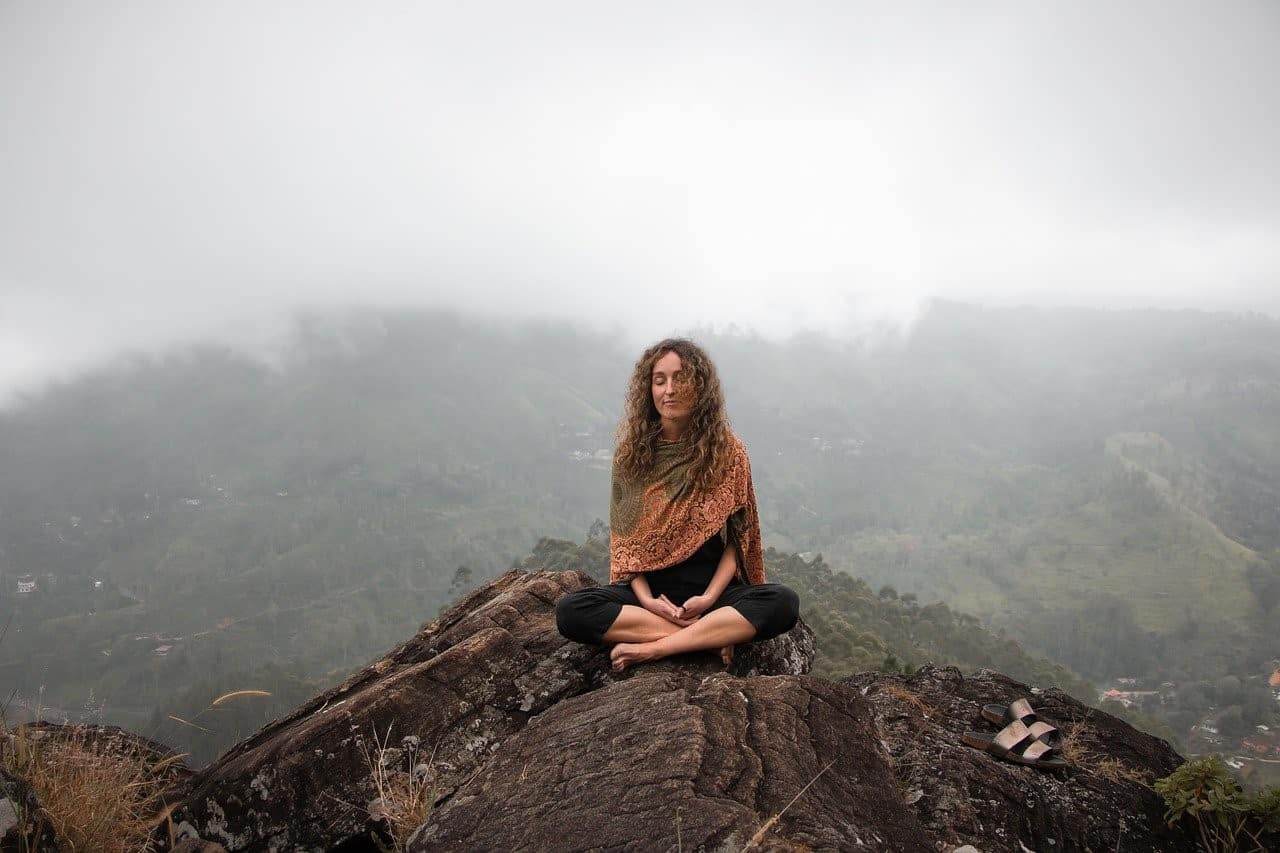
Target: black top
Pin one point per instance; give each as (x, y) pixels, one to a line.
(691, 576)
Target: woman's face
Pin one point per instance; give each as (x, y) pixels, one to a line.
(673, 391)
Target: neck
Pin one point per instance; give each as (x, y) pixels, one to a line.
(674, 430)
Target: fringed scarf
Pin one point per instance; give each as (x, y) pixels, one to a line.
(661, 521)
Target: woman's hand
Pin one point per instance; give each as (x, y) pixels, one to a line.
(695, 607)
(665, 608)
(660, 606)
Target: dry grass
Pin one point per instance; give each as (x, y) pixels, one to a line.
(405, 796)
(99, 794)
(764, 828)
(225, 697)
(1072, 746)
(96, 798)
(908, 697)
(1112, 769)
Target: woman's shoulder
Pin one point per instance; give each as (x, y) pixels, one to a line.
(735, 443)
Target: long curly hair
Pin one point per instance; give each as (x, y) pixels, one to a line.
(641, 425)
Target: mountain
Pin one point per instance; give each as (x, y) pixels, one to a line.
(1100, 488)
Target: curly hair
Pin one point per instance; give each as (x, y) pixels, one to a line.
(641, 425)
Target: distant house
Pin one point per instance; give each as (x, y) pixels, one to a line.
(1126, 698)
(26, 584)
(1262, 745)
(1274, 681)
(161, 651)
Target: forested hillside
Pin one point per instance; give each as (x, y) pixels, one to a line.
(1101, 488)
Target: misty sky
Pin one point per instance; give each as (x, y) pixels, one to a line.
(179, 170)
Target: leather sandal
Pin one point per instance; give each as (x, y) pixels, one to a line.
(1016, 744)
(1021, 710)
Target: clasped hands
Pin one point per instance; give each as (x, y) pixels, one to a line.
(683, 615)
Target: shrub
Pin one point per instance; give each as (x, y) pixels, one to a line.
(1204, 792)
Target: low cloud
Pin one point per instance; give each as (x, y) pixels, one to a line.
(173, 172)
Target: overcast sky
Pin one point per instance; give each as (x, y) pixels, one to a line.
(178, 170)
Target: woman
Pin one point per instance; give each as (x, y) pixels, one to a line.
(685, 561)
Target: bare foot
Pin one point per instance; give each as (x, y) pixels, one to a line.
(626, 654)
(726, 656)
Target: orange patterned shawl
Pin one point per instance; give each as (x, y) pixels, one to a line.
(661, 522)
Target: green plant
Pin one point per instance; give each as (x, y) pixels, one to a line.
(1204, 791)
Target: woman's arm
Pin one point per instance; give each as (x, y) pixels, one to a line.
(727, 568)
(660, 606)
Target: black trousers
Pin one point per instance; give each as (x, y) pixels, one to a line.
(586, 615)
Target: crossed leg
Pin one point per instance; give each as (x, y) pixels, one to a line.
(721, 628)
(637, 625)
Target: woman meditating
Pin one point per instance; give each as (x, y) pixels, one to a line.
(685, 562)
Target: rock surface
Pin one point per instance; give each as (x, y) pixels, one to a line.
(528, 742)
(194, 845)
(671, 761)
(441, 706)
(965, 796)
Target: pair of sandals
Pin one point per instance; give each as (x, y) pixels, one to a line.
(1025, 738)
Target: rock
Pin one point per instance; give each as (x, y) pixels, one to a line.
(168, 766)
(195, 845)
(669, 760)
(526, 741)
(24, 825)
(969, 798)
(450, 697)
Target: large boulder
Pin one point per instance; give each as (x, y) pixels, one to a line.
(965, 796)
(433, 711)
(671, 761)
(525, 741)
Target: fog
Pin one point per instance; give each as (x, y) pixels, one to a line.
(175, 172)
